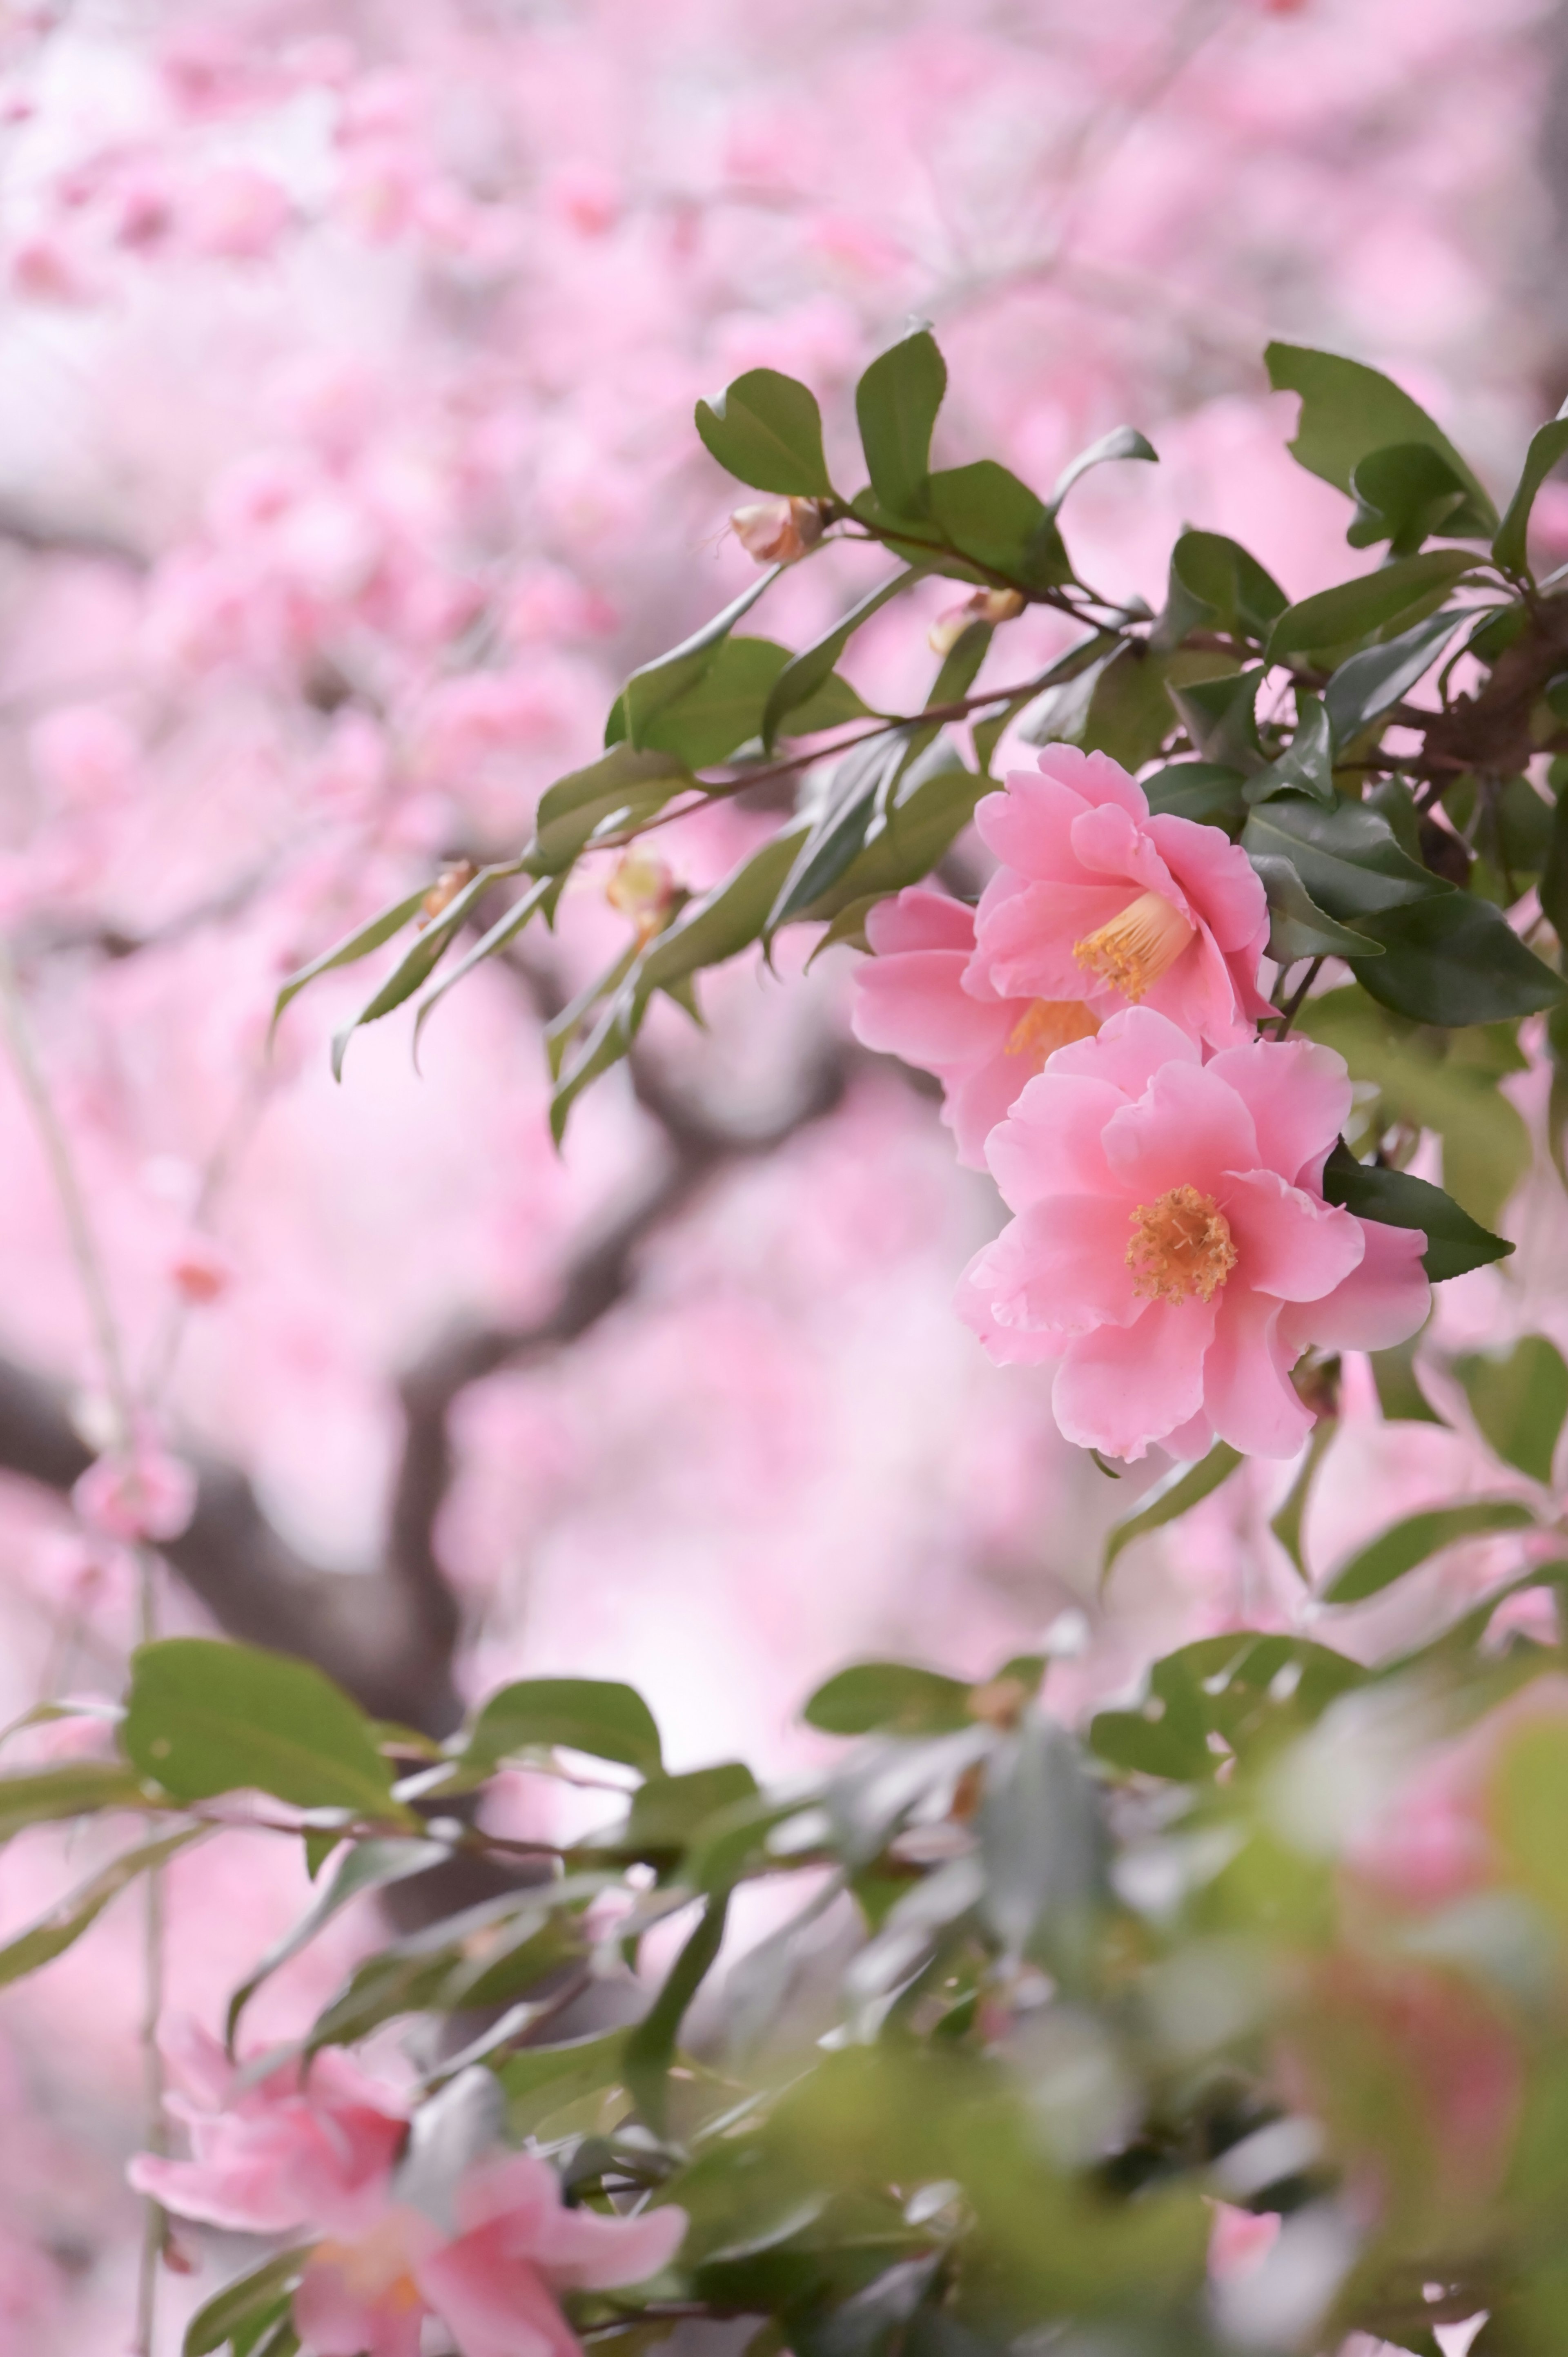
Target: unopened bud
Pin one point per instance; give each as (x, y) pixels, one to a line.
(641, 888)
(444, 891)
(1000, 1702)
(779, 532)
(985, 606)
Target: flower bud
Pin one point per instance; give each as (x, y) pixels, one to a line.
(641, 888)
(444, 891)
(985, 606)
(779, 532)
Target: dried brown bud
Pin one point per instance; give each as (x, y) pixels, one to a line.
(985, 606)
(444, 891)
(999, 1702)
(779, 532)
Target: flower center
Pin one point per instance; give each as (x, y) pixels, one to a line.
(1135, 949)
(1181, 1245)
(1048, 1024)
(375, 2268)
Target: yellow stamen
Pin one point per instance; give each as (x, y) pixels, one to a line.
(1048, 1024)
(1181, 1245)
(1135, 949)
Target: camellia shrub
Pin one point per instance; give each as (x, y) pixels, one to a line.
(1234, 2019)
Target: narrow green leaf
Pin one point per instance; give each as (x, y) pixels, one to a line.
(767, 430)
(421, 958)
(1400, 1395)
(539, 2080)
(1352, 610)
(1298, 927)
(861, 786)
(1553, 885)
(1454, 1241)
(1519, 1398)
(1414, 1541)
(205, 1718)
(809, 670)
(1287, 1523)
(658, 683)
(1306, 764)
(365, 1866)
(598, 1715)
(1454, 960)
(66, 1922)
(1183, 1487)
(667, 1811)
(1121, 442)
(1548, 448)
(254, 2293)
(897, 402)
(624, 779)
(77, 1788)
(650, 2047)
(1348, 410)
(894, 1696)
(506, 928)
(1370, 684)
(1220, 717)
(357, 945)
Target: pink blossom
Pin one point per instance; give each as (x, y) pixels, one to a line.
(778, 532)
(492, 2282)
(148, 1494)
(1095, 898)
(294, 2148)
(235, 212)
(1172, 1247)
(914, 1000)
(1240, 2240)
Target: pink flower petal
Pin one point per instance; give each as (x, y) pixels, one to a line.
(1051, 1141)
(592, 2253)
(1225, 891)
(920, 920)
(1095, 775)
(1246, 1393)
(912, 1003)
(1381, 1302)
(1122, 1387)
(1290, 1244)
(1299, 1097)
(494, 2306)
(1024, 940)
(1060, 1268)
(1129, 1050)
(1187, 1129)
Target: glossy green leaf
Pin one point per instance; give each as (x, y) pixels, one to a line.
(861, 786)
(70, 1917)
(1400, 1395)
(1348, 856)
(421, 958)
(598, 1715)
(1454, 1241)
(206, 1717)
(668, 1809)
(895, 1696)
(1519, 1398)
(808, 671)
(724, 707)
(539, 2080)
(895, 404)
(1216, 585)
(364, 1865)
(1121, 442)
(934, 801)
(489, 1955)
(627, 781)
(1368, 684)
(1205, 792)
(989, 516)
(1374, 602)
(1183, 1487)
(355, 945)
(1348, 411)
(1042, 1842)
(1405, 1544)
(1306, 764)
(1407, 492)
(767, 430)
(649, 2046)
(726, 919)
(1220, 717)
(1298, 927)
(1454, 960)
(1548, 448)
(257, 2293)
(1249, 1691)
(490, 944)
(75, 1788)
(674, 674)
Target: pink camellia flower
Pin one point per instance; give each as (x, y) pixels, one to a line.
(912, 1000)
(779, 532)
(492, 2282)
(1172, 1246)
(296, 2148)
(1097, 899)
(144, 1493)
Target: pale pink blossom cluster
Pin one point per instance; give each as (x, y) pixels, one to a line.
(1093, 1023)
(316, 2147)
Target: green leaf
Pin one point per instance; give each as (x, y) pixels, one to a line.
(1406, 1543)
(1205, 792)
(998, 523)
(365, 1866)
(1306, 764)
(1348, 411)
(860, 788)
(658, 683)
(420, 959)
(1407, 492)
(1454, 960)
(1218, 716)
(539, 2080)
(767, 430)
(1216, 585)
(1286, 1524)
(934, 801)
(1250, 1691)
(206, 1717)
(897, 402)
(486, 1956)
(1400, 1395)
(1348, 857)
(650, 2047)
(1548, 448)
(77, 1788)
(895, 1696)
(1353, 610)
(1183, 1487)
(598, 1715)
(66, 1922)
(726, 919)
(1454, 1241)
(355, 945)
(252, 2295)
(724, 707)
(807, 673)
(1298, 927)
(1121, 442)
(1553, 886)
(1370, 684)
(624, 785)
(1519, 1398)
(669, 1810)
(490, 944)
